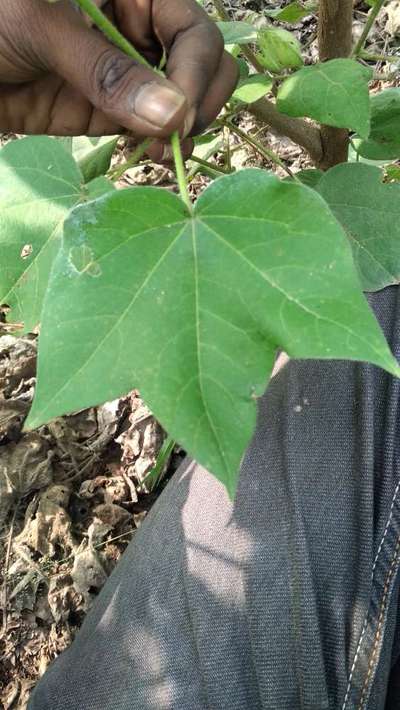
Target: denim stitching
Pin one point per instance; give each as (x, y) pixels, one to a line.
(344, 706)
(378, 633)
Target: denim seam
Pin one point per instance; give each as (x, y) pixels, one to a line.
(356, 657)
(378, 633)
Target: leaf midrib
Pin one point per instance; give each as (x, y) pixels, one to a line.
(198, 354)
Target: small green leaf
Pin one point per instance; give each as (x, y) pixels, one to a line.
(192, 309)
(237, 32)
(205, 146)
(384, 140)
(39, 183)
(369, 211)
(279, 50)
(98, 187)
(335, 93)
(308, 176)
(252, 88)
(243, 68)
(93, 155)
(292, 13)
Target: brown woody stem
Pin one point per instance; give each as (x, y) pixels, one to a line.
(335, 41)
(299, 131)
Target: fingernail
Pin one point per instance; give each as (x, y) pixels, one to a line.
(167, 154)
(189, 121)
(157, 104)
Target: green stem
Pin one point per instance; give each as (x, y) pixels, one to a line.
(261, 149)
(113, 34)
(103, 23)
(377, 57)
(210, 166)
(227, 148)
(162, 459)
(245, 49)
(132, 161)
(180, 172)
(372, 15)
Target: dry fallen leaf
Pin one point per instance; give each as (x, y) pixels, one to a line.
(51, 524)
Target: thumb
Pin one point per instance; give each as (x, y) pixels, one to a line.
(128, 93)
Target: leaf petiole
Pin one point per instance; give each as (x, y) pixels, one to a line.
(180, 172)
(115, 36)
(372, 15)
(131, 162)
(265, 152)
(111, 32)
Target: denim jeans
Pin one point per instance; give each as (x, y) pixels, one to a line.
(287, 599)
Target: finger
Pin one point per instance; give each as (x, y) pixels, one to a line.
(194, 46)
(127, 93)
(217, 95)
(134, 18)
(161, 152)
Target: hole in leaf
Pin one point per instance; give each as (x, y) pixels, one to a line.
(26, 251)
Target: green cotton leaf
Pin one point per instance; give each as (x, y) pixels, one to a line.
(191, 310)
(279, 50)
(237, 32)
(369, 211)
(334, 93)
(292, 13)
(384, 140)
(205, 146)
(243, 68)
(252, 88)
(308, 176)
(354, 157)
(98, 187)
(39, 183)
(93, 155)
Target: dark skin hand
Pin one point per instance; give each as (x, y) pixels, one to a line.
(59, 75)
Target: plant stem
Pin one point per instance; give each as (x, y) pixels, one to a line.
(110, 31)
(335, 23)
(245, 49)
(220, 8)
(227, 148)
(180, 172)
(6, 566)
(210, 166)
(162, 459)
(131, 162)
(377, 57)
(266, 153)
(113, 34)
(299, 131)
(372, 15)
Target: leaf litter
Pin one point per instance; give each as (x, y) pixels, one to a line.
(72, 495)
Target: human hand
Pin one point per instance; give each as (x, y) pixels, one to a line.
(60, 76)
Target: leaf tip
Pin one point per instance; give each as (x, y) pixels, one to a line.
(31, 423)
